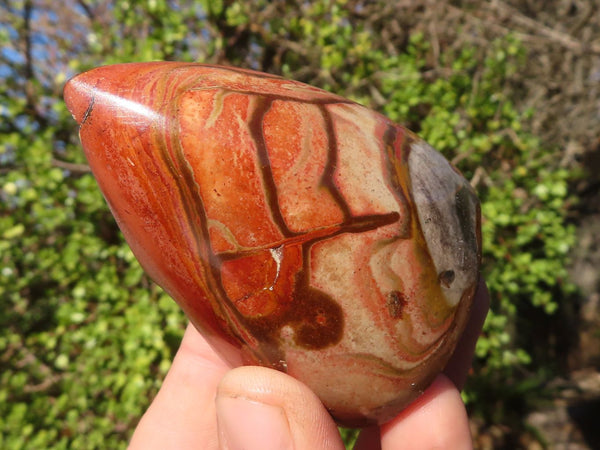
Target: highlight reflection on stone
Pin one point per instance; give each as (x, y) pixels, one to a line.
(298, 230)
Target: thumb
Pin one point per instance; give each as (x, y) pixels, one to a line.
(260, 408)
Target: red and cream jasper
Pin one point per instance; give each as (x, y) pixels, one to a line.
(297, 229)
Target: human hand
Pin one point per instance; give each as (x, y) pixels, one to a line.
(205, 404)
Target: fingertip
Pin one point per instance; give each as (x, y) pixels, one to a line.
(257, 405)
(244, 423)
(437, 419)
(369, 439)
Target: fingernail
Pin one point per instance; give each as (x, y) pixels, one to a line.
(247, 425)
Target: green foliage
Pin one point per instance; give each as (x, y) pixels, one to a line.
(69, 286)
(85, 337)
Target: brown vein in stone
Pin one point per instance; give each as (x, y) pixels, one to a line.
(399, 188)
(261, 105)
(328, 177)
(359, 224)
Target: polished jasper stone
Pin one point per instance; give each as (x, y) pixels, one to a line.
(297, 229)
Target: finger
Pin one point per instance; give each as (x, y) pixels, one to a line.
(260, 408)
(437, 419)
(369, 439)
(458, 367)
(183, 413)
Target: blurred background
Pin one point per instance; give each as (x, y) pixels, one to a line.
(508, 90)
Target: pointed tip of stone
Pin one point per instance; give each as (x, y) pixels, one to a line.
(78, 94)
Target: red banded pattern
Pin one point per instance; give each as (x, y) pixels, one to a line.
(297, 229)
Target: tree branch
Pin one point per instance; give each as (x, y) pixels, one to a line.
(71, 167)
